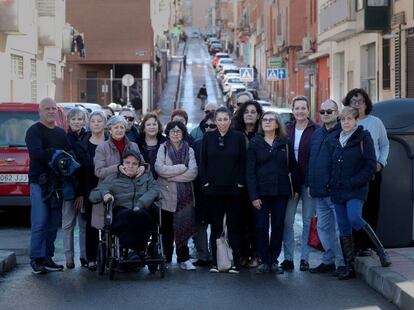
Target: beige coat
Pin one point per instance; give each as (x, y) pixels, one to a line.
(107, 157)
(169, 175)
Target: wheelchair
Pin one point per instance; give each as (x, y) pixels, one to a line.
(112, 257)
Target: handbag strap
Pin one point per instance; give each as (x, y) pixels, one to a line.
(224, 233)
(289, 174)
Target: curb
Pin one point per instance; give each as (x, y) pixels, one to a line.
(7, 261)
(388, 283)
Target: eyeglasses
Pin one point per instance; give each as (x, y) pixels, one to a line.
(268, 120)
(129, 118)
(221, 141)
(329, 112)
(176, 131)
(211, 126)
(357, 101)
(108, 117)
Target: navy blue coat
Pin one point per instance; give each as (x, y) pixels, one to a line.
(353, 166)
(267, 170)
(320, 161)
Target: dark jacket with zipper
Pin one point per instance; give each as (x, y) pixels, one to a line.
(223, 166)
(267, 168)
(353, 166)
(320, 161)
(303, 146)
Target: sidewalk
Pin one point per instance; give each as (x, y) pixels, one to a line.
(396, 283)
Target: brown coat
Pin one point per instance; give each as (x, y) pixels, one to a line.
(107, 157)
(169, 175)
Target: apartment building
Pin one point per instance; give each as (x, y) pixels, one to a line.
(34, 40)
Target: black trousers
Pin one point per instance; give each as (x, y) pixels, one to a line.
(370, 212)
(91, 236)
(248, 227)
(229, 205)
(183, 253)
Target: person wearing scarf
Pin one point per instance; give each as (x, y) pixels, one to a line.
(177, 168)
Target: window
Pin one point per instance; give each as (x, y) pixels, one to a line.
(16, 66)
(33, 80)
(377, 2)
(51, 70)
(386, 67)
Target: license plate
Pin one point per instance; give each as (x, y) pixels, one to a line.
(14, 178)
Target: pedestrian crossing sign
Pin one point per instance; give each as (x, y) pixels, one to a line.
(276, 74)
(246, 75)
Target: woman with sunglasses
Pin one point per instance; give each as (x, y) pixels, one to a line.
(246, 121)
(222, 174)
(270, 166)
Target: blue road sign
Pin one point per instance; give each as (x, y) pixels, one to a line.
(282, 74)
(276, 74)
(246, 75)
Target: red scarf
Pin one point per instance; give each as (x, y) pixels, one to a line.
(120, 145)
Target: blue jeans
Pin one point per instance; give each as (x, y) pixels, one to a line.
(46, 221)
(328, 231)
(276, 206)
(308, 210)
(349, 215)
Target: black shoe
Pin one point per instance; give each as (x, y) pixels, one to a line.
(304, 265)
(37, 266)
(338, 271)
(84, 262)
(379, 248)
(276, 269)
(50, 265)
(323, 268)
(202, 263)
(364, 252)
(287, 265)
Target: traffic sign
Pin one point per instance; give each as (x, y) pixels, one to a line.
(275, 61)
(128, 80)
(282, 74)
(246, 75)
(276, 74)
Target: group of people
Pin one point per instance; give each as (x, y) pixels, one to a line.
(242, 172)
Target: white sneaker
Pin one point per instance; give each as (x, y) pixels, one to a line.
(187, 265)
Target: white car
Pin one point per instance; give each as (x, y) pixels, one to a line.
(229, 81)
(286, 114)
(89, 107)
(234, 89)
(222, 62)
(226, 70)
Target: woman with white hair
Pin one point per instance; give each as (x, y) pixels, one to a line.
(108, 155)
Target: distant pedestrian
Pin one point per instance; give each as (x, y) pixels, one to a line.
(185, 62)
(43, 139)
(255, 73)
(318, 179)
(202, 95)
(353, 166)
(299, 132)
(222, 174)
(359, 99)
(198, 132)
(270, 164)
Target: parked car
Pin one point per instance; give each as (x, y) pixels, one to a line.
(229, 82)
(224, 61)
(215, 48)
(15, 119)
(89, 107)
(226, 70)
(218, 56)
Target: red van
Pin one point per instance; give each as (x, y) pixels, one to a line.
(15, 119)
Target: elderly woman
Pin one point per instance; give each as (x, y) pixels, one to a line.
(133, 191)
(353, 166)
(85, 152)
(108, 155)
(150, 139)
(177, 168)
(72, 209)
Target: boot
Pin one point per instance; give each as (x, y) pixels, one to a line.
(347, 246)
(379, 248)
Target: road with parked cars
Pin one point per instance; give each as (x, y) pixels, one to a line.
(80, 288)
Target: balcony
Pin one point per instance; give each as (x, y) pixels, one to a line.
(15, 17)
(337, 20)
(373, 16)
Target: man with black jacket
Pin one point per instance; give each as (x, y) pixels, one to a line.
(42, 139)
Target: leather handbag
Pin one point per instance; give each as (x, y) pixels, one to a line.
(224, 252)
(313, 240)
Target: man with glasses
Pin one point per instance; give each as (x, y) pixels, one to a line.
(360, 100)
(318, 177)
(131, 131)
(198, 132)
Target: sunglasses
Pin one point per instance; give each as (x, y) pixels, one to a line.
(211, 126)
(129, 118)
(108, 117)
(221, 141)
(329, 112)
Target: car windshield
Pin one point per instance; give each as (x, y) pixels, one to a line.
(13, 126)
(234, 80)
(226, 61)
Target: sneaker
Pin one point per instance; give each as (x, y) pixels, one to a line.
(254, 262)
(202, 263)
(287, 265)
(234, 270)
(323, 268)
(38, 267)
(50, 265)
(214, 269)
(84, 262)
(262, 268)
(276, 268)
(304, 265)
(187, 265)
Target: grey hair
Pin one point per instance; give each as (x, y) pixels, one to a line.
(76, 111)
(46, 100)
(115, 120)
(101, 114)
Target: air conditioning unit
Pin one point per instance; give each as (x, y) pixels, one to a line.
(280, 41)
(307, 45)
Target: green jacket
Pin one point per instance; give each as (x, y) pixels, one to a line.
(129, 193)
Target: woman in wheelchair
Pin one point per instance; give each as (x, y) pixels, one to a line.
(132, 191)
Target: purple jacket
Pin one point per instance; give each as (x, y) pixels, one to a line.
(303, 156)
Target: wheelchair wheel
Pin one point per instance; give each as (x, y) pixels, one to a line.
(162, 270)
(101, 258)
(111, 268)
